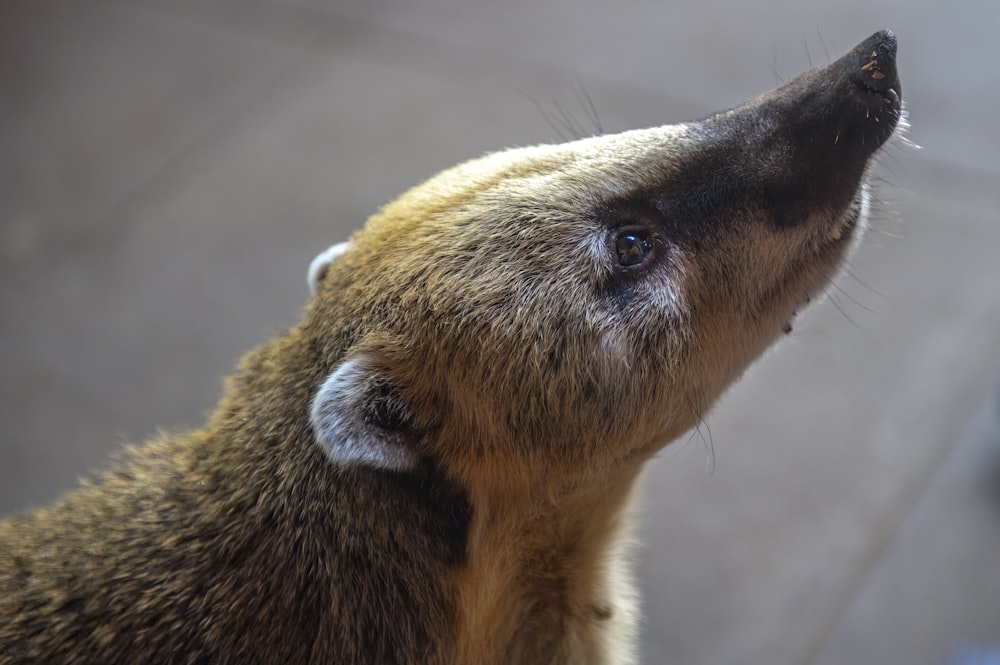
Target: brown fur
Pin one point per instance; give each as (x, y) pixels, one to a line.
(529, 374)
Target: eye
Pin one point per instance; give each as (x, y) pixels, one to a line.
(632, 248)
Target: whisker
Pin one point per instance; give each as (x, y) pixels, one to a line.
(850, 273)
(853, 299)
(569, 120)
(584, 99)
(549, 120)
(823, 43)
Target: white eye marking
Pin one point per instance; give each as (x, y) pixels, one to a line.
(319, 265)
(338, 417)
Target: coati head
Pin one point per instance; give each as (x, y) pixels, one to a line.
(550, 313)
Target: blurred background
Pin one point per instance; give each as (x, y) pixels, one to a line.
(169, 168)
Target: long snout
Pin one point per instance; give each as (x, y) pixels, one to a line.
(859, 95)
(806, 145)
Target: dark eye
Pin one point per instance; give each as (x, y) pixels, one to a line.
(632, 249)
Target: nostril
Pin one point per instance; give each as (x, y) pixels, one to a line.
(873, 65)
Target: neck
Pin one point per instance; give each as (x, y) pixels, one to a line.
(547, 580)
(545, 572)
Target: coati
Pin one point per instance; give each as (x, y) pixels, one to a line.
(436, 464)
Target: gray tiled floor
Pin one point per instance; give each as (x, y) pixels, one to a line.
(167, 169)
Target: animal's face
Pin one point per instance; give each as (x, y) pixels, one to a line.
(577, 305)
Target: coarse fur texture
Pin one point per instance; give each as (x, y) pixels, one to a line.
(436, 465)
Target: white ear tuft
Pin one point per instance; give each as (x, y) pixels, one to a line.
(319, 265)
(356, 421)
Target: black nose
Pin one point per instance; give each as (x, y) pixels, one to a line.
(856, 100)
(871, 67)
(875, 63)
(806, 145)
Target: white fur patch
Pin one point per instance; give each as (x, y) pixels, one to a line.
(862, 221)
(318, 266)
(338, 420)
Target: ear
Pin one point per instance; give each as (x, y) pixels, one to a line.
(358, 418)
(319, 265)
